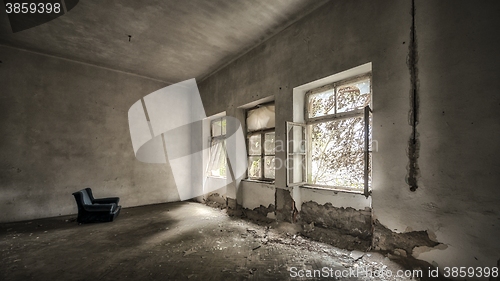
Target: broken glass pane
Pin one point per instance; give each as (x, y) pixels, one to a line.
(337, 152)
(269, 171)
(353, 96)
(254, 167)
(254, 145)
(321, 104)
(269, 146)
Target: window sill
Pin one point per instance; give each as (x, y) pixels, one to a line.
(336, 190)
(258, 181)
(216, 177)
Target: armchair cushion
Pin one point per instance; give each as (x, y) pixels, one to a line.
(95, 210)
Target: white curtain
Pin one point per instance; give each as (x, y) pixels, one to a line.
(217, 150)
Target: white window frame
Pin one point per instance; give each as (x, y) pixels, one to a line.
(214, 142)
(262, 133)
(365, 112)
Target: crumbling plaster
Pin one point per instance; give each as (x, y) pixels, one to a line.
(78, 113)
(255, 194)
(457, 198)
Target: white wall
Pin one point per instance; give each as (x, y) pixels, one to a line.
(458, 68)
(255, 194)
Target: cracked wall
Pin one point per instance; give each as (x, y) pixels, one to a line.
(413, 143)
(216, 200)
(345, 228)
(410, 243)
(457, 114)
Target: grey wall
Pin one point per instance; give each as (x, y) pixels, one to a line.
(458, 130)
(64, 127)
(64, 124)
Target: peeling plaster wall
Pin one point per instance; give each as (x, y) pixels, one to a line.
(65, 127)
(341, 219)
(257, 200)
(255, 194)
(337, 199)
(319, 45)
(458, 128)
(346, 228)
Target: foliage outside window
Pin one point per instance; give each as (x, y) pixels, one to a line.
(217, 160)
(339, 124)
(261, 142)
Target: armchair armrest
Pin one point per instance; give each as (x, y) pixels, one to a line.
(108, 200)
(100, 207)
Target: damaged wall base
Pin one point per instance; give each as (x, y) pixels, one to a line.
(345, 228)
(216, 200)
(405, 244)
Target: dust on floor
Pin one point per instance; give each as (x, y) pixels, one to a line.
(178, 241)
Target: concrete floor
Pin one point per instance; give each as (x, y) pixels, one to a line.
(173, 241)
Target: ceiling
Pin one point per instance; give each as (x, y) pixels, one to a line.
(170, 40)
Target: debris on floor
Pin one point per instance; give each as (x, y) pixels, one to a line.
(178, 241)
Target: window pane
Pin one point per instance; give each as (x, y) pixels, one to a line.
(269, 171)
(223, 126)
(254, 145)
(217, 164)
(296, 139)
(296, 165)
(216, 128)
(296, 154)
(261, 118)
(353, 96)
(337, 150)
(269, 146)
(321, 104)
(254, 167)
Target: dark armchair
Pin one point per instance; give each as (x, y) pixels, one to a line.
(108, 200)
(95, 210)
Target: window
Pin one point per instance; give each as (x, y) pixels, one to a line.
(332, 149)
(261, 142)
(217, 159)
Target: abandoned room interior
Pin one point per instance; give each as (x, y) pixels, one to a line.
(324, 136)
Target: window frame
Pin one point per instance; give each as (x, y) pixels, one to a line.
(297, 151)
(262, 133)
(364, 112)
(213, 139)
(334, 86)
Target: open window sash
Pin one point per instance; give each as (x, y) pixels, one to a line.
(217, 163)
(296, 161)
(368, 150)
(297, 151)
